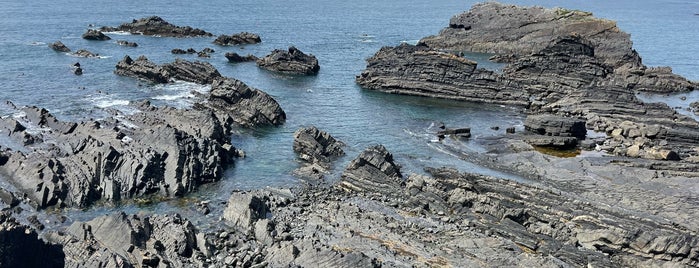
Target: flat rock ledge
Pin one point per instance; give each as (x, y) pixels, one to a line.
(163, 151)
(291, 61)
(156, 26)
(238, 39)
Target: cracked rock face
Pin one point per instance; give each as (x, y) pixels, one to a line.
(237, 39)
(372, 171)
(291, 61)
(161, 150)
(234, 101)
(157, 26)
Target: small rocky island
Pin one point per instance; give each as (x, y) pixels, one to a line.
(633, 206)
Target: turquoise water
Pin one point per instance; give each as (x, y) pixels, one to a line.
(342, 34)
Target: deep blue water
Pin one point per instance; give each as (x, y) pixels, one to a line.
(342, 34)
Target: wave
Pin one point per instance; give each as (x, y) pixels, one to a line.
(37, 43)
(111, 103)
(118, 33)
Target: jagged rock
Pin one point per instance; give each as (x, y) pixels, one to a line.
(59, 46)
(126, 43)
(203, 54)
(316, 146)
(234, 57)
(158, 27)
(197, 72)
(236, 102)
(20, 245)
(552, 125)
(695, 107)
(372, 171)
(291, 61)
(237, 39)
(421, 71)
(162, 150)
(244, 209)
(96, 35)
(178, 51)
(85, 54)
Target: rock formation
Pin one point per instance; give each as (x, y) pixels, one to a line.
(372, 170)
(317, 149)
(553, 130)
(126, 43)
(59, 46)
(95, 35)
(238, 39)
(156, 26)
(234, 101)
(197, 72)
(291, 61)
(234, 57)
(85, 54)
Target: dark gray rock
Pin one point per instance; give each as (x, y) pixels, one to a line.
(238, 39)
(178, 51)
(126, 43)
(234, 57)
(291, 61)
(695, 107)
(142, 68)
(421, 71)
(59, 46)
(316, 146)
(244, 209)
(157, 26)
(85, 54)
(20, 245)
(552, 125)
(372, 171)
(95, 35)
(234, 101)
(197, 72)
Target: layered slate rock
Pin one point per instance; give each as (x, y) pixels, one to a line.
(419, 70)
(238, 39)
(372, 171)
(554, 130)
(291, 61)
(157, 26)
(235, 57)
(161, 150)
(121, 240)
(197, 72)
(245, 209)
(95, 35)
(234, 101)
(59, 46)
(316, 148)
(518, 31)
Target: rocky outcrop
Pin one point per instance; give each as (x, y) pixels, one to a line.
(421, 71)
(244, 210)
(555, 131)
(234, 101)
(126, 43)
(197, 72)
(85, 54)
(372, 171)
(182, 51)
(20, 244)
(316, 146)
(59, 46)
(157, 26)
(234, 57)
(161, 150)
(95, 35)
(237, 39)
(518, 31)
(291, 61)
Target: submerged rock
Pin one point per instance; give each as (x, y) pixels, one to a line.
(237, 39)
(126, 43)
(85, 54)
(95, 35)
(157, 26)
(234, 57)
(291, 61)
(59, 46)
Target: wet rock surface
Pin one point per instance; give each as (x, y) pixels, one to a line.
(235, 57)
(59, 46)
(157, 26)
(126, 43)
(95, 35)
(83, 53)
(291, 61)
(238, 39)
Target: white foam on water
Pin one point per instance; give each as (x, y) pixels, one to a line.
(118, 33)
(111, 103)
(37, 43)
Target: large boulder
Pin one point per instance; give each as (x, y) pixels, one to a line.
(553, 125)
(291, 61)
(316, 146)
(235, 101)
(244, 209)
(373, 171)
(142, 68)
(95, 35)
(235, 57)
(419, 70)
(157, 26)
(59, 46)
(237, 39)
(161, 150)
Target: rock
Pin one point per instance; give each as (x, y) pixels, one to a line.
(372, 171)
(244, 209)
(421, 71)
(234, 57)
(510, 130)
(20, 245)
(552, 125)
(59, 47)
(9, 198)
(235, 101)
(456, 132)
(203, 54)
(237, 39)
(191, 51)
(78, 71)
(156, 26)
(85, 54)
(291, 61)
(197, 72)
(178, 51)
(162, 150)
(315, 146)
(551, 141)
(695, 107)
(126, 43)
(95, 35)
(208, 50)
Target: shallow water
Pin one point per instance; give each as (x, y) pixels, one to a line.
(342, 34)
